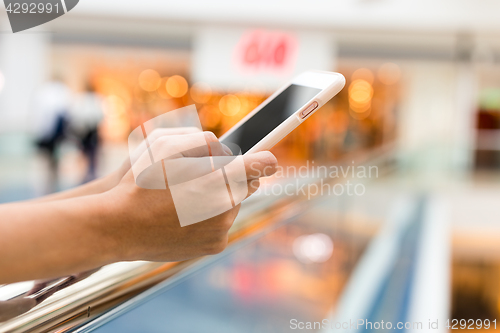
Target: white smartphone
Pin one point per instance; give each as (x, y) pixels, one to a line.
(283, 111)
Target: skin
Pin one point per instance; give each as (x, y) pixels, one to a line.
(109, 220)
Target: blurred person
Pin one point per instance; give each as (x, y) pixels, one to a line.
(112, 219)
(85, 115)
(51, 106)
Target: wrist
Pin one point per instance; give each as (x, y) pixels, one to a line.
(108, 226)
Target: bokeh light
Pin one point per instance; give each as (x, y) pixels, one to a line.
(177, 86)
(210, 116)
(109, 86)
(201, 92)
(230, 105)
(245, 102)
(363, 74)
(149, 80)
(116, 123)
(360, 115)
(313, 248)
(360, 91)
(162, 89)
(360, 95)
(360, 98)
(114, 106)
(389, 73)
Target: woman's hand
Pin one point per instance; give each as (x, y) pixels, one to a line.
(146, 225)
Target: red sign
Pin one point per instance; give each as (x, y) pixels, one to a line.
(261, 51)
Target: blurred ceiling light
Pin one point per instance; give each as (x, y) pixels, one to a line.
(230, 105)
(149, 80)
(364, 74)
(201, 92)
(315, 248)
(2, 81)
(162, 89)
(177, 86)
(389, 73)
(210, 116)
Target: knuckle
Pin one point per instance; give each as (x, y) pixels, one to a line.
(210, 136)
(159, 144)
(162, 140)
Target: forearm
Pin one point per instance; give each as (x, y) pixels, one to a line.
(58, 238)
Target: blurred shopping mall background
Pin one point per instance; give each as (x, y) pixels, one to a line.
(423, 87)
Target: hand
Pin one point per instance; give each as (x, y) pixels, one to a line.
(146, 225)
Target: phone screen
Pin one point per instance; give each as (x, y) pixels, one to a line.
(269, 117)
